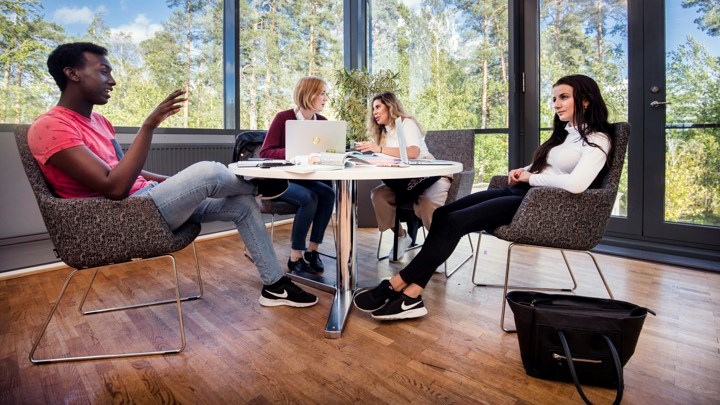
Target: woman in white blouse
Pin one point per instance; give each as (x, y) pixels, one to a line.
(386, 108)
(574, 158)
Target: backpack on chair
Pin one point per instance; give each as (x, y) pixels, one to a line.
(247, 145)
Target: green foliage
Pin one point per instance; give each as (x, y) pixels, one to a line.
(709, 19)
(354, 90)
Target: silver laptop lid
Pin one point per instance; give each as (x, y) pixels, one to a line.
(303, 137)
(402, 143)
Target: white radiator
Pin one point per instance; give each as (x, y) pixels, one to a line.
(170, 158)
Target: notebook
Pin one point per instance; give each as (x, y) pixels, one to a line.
(314, 136)
(403, 149)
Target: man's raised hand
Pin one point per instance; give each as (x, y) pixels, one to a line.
(170, 106)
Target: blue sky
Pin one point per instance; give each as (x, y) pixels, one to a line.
(140, 19)
(681, 21)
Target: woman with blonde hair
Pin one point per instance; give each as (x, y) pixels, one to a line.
(314, 199)
(386, 108)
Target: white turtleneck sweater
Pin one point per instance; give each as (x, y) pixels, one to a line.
(573, 165)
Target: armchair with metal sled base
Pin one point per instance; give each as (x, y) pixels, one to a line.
(456, 145)
(96, 232)
(557, 219)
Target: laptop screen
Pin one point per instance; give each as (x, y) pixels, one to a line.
(402, 143)
(303, 137)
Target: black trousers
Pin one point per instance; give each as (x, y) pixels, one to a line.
(481, 211)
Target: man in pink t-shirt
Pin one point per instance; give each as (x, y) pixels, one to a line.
(77, 152)
(62, 128)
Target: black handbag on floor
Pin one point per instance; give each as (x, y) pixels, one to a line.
(575, 338)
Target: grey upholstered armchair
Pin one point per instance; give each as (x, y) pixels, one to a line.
(555, 218)
(94, 232)
(459, 146)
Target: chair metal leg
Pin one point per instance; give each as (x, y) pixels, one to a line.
(456, 268)
(567, 263)
(602, 276)
(144, 304)
(332, 219)
(520, 287)
(40, 335)
(377, 253)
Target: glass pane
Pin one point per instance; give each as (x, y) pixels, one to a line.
(451, 59)
(279, 43)
(587, 37)
(155, 47)
(692, 120)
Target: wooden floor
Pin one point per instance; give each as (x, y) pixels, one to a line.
(240, 352)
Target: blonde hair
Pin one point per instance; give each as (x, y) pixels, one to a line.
(395, 110)
(306, 89)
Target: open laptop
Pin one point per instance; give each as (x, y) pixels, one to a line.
(403, 149)
(303, 137)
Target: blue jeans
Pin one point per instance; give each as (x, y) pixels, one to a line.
(314, 200)
(208, 191)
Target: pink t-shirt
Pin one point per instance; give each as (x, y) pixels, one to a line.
(60, 129)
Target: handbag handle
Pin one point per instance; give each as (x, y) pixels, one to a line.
(616, 361)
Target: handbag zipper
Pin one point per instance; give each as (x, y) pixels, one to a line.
(561, 357)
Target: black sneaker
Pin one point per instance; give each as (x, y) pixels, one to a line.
(313, 259)
(370, 300)
(267, 189)
(285, 292)
(300, 265)
(402, 307)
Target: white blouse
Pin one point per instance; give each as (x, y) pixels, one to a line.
(573, 165)
(413, 137)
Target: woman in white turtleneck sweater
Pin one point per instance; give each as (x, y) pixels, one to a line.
(386, 108)
(572, 159)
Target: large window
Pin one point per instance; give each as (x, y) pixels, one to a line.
(155, 47)
(279, 42)
(692, 115)
(587, 37)
(452, 64)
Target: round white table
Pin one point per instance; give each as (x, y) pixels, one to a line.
(345, 283)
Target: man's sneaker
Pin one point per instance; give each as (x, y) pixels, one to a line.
(404, 243)
(300, 266)
(402, 307)
(267, 189)
(285, 292)
(313, 259)
(370, 300)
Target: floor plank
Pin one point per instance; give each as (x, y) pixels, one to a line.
(238, 351)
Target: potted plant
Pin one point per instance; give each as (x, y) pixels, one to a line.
(354, 90)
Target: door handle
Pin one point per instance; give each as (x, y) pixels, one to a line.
(656, 104)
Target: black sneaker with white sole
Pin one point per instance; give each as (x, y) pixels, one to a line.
(374, 298)
(402, 307)
(285, 292)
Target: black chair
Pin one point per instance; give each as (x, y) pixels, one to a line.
(456, 145)
(554, 218)
(99, 232)
(272, 207)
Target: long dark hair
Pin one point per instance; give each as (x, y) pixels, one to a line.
(590, 119)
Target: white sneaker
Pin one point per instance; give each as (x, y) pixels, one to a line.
(404, 243)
